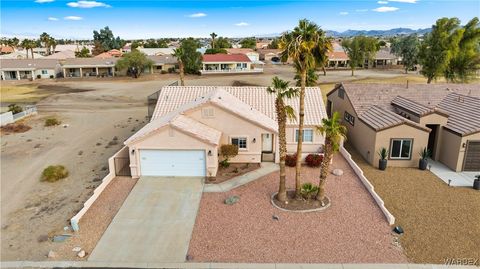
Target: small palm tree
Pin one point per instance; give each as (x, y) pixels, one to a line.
(281, 91)
(179, 54)
(334, 133)
(213, 35)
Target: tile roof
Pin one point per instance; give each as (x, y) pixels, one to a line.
(239, 50)
(61, 55)
(420, 97)
(257, 98)
(220, 57)
(412, 106)
(79, 62)
(6, 49)
(385, 54)
(337, 55)
(20, 55)
(28, 64)
(379, 118)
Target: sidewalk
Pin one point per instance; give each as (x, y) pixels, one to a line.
(458, 179)
(265, 169)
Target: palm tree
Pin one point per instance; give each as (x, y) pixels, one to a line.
(300, 45)
(281, 91)
(213, 35)
(27, 45)
(333, 132)
(52, 43)
(311, 80)
(178, 53)
(325, 48)
(44, 38)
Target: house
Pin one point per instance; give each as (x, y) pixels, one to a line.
(21, 54)
(156, 51)
(17, 69)
(272, 55)
(61, 55)
(338, 60)
(408, 118)
(251, 54)
(228, 63)
(190, 124)
(385, 59)
(110, 54)
(6, 49)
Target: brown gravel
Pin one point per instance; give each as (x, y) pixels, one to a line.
(352, 230)
(96, 220)
(440, 222)
(225, 174)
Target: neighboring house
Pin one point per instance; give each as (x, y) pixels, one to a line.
(270, 55)
(190, 124)
(157, 51)
(228, 63)
(385, 59)
(251, 54)
(6, 50)
(109, 54)
(61, 55)
(445, 118)
(21, 54)
(17, 69)
(338, 60)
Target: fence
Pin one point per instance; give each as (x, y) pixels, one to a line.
(8, 117)
(153, 98)
(358, 171)
(122, 166)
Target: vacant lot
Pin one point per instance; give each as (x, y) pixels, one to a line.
(440, 222)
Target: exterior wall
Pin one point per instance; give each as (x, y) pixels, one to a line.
(169, 138)
(50, 72)
(383, 139)
(453, 152)
(230, 65)
(307, 147)
(232, 126)
(441, 121)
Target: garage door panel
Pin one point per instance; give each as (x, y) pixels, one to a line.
(472, 156)
(172, 162)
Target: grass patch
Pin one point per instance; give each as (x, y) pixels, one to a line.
(54, 173)
(52, 122)
(15, 128)
(440, 222)
(20, 94)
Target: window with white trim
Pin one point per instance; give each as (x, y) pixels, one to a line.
(44, 72)
(307, 135)
(241, 142)
(401, 149)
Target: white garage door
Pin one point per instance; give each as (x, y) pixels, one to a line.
(181, 163)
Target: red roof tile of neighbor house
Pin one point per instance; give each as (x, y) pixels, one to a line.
(337, 55)
(6, 49)
(110, 54)
(239, 51)
(220, 57)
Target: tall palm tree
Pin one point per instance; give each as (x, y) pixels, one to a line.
(25, 46)
(44, 39)
(52, 43)
(281, 91)
(178, 53)
(300, 45)
(311, 80)
(213, 35)
(333, 132)
(325, 48)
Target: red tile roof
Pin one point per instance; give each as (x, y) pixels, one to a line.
(220, 57)
(337, 55)
(6, 49)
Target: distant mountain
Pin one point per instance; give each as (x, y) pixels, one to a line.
(391, 32)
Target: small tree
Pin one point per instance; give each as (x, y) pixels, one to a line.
(359, 49)
(228, 151)
(216, 51)
(249, 43)
(14, 108)
(407, 48)
(192, 59)
(135, 62)
(83, 53)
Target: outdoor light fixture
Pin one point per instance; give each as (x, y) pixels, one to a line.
(464, 145)
(209, 153)
(133, 151)
(254, 140)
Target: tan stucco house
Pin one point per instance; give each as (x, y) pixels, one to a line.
(190, 124)
(407, 118)
(228, 63)
(18, 69)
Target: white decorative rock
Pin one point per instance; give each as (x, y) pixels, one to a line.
(76, 249)
(52, 254)
(337, 172)
(81, 254)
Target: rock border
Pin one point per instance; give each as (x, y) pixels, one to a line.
(301, 211)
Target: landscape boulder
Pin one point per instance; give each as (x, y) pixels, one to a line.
(337, 172)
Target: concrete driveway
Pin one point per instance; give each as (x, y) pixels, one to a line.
(154, 224)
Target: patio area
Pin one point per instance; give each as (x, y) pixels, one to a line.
(352, 230)
(457, 179)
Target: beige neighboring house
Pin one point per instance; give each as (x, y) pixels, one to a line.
(21, 54)
(445, 118)
(157, 51)
(17, 69)
(62, 55)
(228, 63)
(190, 124)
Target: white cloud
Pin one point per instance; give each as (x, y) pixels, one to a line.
(197, 15)
(87, 4)
(343, 13)
(405, 1)
(361, 10)
(382, 2)
(385, 9)
(242, 24)
(43, 1)
(73, 18)
(52, 19)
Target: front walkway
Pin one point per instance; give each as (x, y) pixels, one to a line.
(154, 224)
(458, 179)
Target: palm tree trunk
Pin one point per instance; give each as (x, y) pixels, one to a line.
(324, 71)
(301, 112)
(182, 73)
(353, 69)
(32, 52)
(324, 167)
(282, 140)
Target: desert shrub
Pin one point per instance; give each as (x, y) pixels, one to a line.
(15, 128)
(291, 160)
(224, 163)
(52, 122)
(314, 160)
(228, 151)
(39, 76)
(307, 190)
(171, 70)
(14, 108)
(54, 173)
(52, 77)
(163, 72)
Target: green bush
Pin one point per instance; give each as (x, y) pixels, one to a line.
(14, 108)
(39, 76)
(228, 151)
(163, 72)
(54, 173)
(52, 122)
(308, 190)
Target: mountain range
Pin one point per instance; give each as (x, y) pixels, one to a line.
(349, 33)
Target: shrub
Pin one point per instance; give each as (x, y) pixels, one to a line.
(14, 108)
(52, 77)
(39, 76)
(224, 163)
(171, 70)
(54, 173)
(307, 190)
(314, 160)
(163, 72)
(228, 151)
(52, 122)
(291, 160)
(15, 128)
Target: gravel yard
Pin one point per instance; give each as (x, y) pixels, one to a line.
(352, 230)
(440, 222)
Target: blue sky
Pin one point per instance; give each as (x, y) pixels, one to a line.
(182, 18)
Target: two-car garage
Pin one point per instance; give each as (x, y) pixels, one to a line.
(180, 163)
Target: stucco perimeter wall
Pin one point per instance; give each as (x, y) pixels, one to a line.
(383, 139)
(169, 138)
(96, 193)
(390, 218)
(452, 152)
(232, 125)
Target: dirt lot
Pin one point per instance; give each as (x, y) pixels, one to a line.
(94, 111)
(440, 222)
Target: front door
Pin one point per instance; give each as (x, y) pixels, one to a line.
(267, 142)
